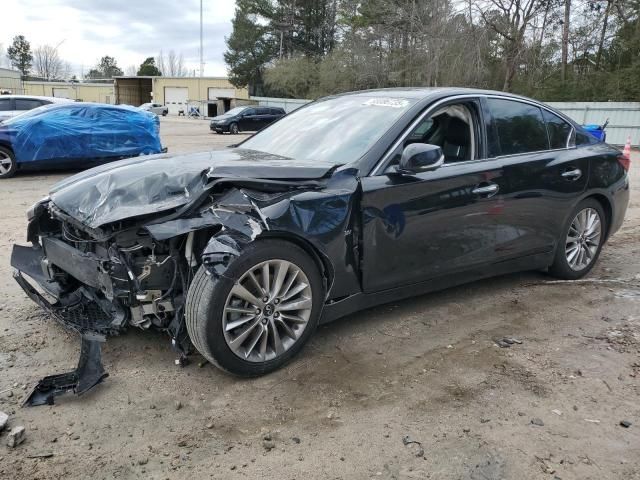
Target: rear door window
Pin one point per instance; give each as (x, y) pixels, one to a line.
(27, 104)
(559, 130)
(263, 111)
(520, 127)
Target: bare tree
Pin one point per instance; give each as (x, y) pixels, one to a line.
(175, 65)
(565, 39)
(131, 71)
(603, 34)
(511, 20)
(47, 63)
(161, 63)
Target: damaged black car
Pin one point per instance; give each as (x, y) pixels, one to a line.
(349, 202)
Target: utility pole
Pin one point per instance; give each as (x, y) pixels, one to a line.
(201, 53)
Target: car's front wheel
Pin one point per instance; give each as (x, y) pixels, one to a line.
(581, 242)
(257, 316)
(8, 164)
(233, 128)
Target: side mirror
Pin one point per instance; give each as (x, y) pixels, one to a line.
(420, 157)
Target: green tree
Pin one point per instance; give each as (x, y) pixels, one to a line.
(106, 68)
(148, 68)
(20, 55)
(249, 48)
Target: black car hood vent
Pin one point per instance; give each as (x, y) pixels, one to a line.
(155, 184)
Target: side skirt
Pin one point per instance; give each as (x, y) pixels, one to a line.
(361, 301)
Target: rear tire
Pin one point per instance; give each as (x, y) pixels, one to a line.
(8, 165)
(271, 336)
(581, 242)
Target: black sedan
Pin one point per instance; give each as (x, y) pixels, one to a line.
(349, 202)
(245, 119)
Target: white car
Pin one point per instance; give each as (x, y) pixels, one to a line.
(12, 105)
(155, 108)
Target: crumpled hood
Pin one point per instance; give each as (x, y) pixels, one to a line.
(153, 184)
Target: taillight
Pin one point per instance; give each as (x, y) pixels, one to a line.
(624, 161)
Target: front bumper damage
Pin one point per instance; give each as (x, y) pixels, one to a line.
(80, 313)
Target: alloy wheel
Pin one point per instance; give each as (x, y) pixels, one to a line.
(267, 310)
(583, 239)
(5, 163)
(234, 129)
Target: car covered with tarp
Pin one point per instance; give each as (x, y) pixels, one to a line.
(76, 135)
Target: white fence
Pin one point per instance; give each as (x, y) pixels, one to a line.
(624, 118)
(289, 104)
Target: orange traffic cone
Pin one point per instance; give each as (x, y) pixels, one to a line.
(625, 160)
(627, 148)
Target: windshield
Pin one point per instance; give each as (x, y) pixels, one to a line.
(337, 130)
(235, 111)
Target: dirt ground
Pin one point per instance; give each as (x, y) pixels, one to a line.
(349, 407)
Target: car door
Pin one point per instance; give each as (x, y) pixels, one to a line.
(249, 120)
(544, 174)
(421, 226)
(264, 117)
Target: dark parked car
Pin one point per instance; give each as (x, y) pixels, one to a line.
(379, 196)
(246, 119)
(76, 135)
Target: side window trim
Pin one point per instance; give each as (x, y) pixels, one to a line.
(571, 143)
(382, 163)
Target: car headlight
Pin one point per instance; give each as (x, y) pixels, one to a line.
(31, 213)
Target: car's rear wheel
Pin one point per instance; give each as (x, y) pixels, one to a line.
(8, 164)
(233, 128)
(582, 240)
(257, 316)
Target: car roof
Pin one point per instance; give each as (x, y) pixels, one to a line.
(38, 97)
(423, 93)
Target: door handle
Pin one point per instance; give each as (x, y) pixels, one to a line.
(489, 190)
(574, 174)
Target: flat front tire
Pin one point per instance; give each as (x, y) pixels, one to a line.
(8, 164)
(581, 241)
(256, 317)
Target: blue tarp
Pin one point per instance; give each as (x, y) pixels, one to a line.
(78, 131)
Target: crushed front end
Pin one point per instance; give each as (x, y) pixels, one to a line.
(99, 282)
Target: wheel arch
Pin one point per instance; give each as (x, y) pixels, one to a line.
(322, 262)
(605, 202)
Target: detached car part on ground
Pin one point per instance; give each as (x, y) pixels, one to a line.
(76, 135)
(347, 203)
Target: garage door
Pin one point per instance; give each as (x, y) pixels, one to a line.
(61, 92)
(176, 98)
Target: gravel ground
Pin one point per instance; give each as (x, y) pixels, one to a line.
(412, 390)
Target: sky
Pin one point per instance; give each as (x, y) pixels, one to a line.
(129, 30)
